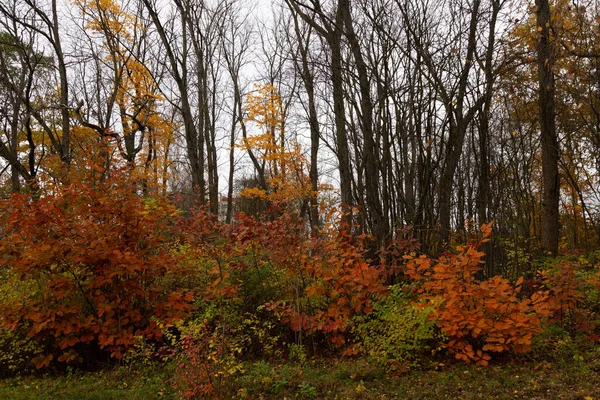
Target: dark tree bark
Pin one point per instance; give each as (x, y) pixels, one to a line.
(235, 41)
(46, 24)
(460, 109)
(549, 138)
(20, 67)
(379, 225)
(332, 30)
(65, 110)
(483, 185)
(306, 74)
(179, 72)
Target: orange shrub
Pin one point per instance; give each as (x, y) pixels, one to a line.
(478, 317)
(96, 252)
(571, 295)
(565, 292)
(330, 282)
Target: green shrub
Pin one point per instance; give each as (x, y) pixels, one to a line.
(16, 351)
(396, 332)
(16, 347)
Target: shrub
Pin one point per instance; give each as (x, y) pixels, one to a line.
(16, 348)
(235, 276)
(397, 331)
(478, 317)
(209, 351)
(94, 252)
(328, 282)
(572, 295)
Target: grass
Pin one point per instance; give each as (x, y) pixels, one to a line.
(557, 377)
(118, 383)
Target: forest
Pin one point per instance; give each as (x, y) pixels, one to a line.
(214, 187)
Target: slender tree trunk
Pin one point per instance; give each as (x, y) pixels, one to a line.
(180, 77)
(230, 178)
(331, 31)
(334, 40)
(202, 115)
(456, 138)
(65, 153)
(211, 150)
(483, 192)
(549, 139)
(379, 225)
(14, 143)
(313, 121)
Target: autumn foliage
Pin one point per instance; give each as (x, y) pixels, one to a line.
(96, 269)
(101, 269)
(351, 182)
(95, 254)
(478, 317)
(284, 165)
(330, 282)
(314, 284)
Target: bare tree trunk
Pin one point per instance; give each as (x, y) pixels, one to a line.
(14, 144)
(308, 79)
(379, 225)
(180, 77)
(331, 31)
(230, 181)
(65, 154)
(549, 139)
(483, 193)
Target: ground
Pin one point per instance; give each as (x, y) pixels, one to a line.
(576, 377)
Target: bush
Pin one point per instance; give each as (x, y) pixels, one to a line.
(16, 348)
(94, 253)
(572, 289)
(397, 331)
(209, 351)
(328, 282)
(478, 317)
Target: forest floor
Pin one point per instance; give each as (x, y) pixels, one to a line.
(563, 376)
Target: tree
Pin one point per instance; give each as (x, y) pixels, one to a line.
(303, 67)
(179, 70)
(280, 160)
(331, 30)
(377, 221)
(549, 138)
(14, 84)
(236, 40)
(25, 74)
(452, 93)
(131, 90)
(44, 23)
(553, 42)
